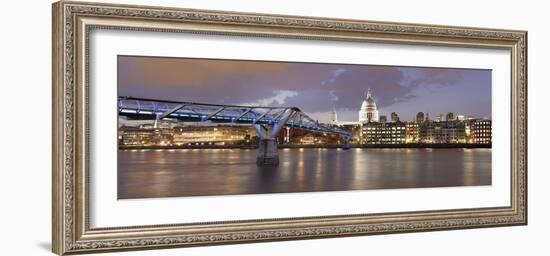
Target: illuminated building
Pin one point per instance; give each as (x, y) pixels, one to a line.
(439, 118)
(412, 133)
(312, 139)
(368, 112)
(482, 131)
(308, 139)
(383, 133)
(444, 132)
(217, 135)
(452, 132)
(136, 136)
(469, 129)
(354, 128)
(147, 135)
(297, 136)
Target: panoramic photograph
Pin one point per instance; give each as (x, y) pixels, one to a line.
(213, 127)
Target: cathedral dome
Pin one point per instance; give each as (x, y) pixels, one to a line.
(368, 109)
(368, 103)
(364, 105)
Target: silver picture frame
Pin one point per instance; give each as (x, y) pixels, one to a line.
(72, 23)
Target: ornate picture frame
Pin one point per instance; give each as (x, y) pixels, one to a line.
(72, 23)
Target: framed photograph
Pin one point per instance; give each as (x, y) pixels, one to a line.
(178, 127)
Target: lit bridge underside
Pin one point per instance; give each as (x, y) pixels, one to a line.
(267, 121)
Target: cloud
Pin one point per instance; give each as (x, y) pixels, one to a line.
(437, 77)
(279, 97)
(333, 96)
(334, 75)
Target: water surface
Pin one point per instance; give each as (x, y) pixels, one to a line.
(201, 172)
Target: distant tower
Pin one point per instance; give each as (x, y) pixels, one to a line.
(420, 117)
(334, 116)
(156, 124)
(394, 117)
(450, 116)
(368, 112)
(427, 117)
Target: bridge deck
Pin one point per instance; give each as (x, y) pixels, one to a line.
(150, 109)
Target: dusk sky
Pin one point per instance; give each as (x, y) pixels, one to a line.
(314, 88)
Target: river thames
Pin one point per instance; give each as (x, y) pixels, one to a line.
(206, 172)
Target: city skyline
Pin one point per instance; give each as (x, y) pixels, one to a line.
(316, 88)
(181, 133)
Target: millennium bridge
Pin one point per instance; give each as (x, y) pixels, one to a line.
(267, 121)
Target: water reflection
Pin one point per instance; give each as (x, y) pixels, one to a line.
(171, 173)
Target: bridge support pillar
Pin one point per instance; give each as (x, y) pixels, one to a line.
(346, 143)
(267, 152)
